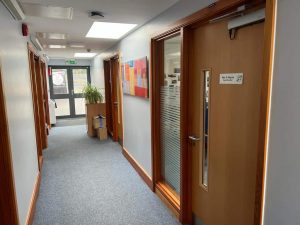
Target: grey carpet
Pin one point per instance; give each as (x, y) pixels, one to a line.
(88, 182)
(70, 122)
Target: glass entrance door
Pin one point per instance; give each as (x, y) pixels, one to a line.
(66, 85)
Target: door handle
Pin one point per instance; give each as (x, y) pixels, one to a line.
(116, 103)
(194, 138)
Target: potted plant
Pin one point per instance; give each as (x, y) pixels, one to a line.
(92, 95)
(94, 106)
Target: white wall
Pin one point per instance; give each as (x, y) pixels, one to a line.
(17, 90)
(97, 74)
(283, 169)
(137, 119)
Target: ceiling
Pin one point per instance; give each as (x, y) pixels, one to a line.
(118, 11)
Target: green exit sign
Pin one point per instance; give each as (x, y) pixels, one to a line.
(71, 62)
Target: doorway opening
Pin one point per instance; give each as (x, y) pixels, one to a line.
(40, 102)
(114, 98)
(66, 85)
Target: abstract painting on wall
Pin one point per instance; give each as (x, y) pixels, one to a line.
(135, 78)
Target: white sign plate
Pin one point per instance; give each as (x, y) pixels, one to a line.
(231, 78)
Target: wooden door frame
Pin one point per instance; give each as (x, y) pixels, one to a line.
(157, 55)
(114, 97)
(8, 199)
(40, 91)
(204, 15)
(120, 83)
(45, 93)
(35, 105)
(108, 101)
(111, 95)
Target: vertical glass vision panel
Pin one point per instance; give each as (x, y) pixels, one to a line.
(170, 114)
(205, 148)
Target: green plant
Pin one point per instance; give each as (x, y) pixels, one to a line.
(92, 94)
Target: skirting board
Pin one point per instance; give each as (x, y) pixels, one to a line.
(138, 169)
(34, 197)
(167, 203)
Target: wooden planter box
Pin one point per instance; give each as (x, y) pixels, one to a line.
(91, 111)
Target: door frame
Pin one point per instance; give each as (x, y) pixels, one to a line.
(69, 96)
(8, 200)
(182, 26)
(35, 105)
(114, 96)
(45, 92)
(39, 100)
(113, 76)
(108, 97)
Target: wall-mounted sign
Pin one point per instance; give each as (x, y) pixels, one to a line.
(231, 78)
(71, 62)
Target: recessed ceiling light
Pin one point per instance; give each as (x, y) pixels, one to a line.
(76, 45)
(57, 46)
(54, 36)
(109, 30)
(39, 10)
(85, 55)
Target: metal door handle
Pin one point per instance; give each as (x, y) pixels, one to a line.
(116, 103)
(194, 139)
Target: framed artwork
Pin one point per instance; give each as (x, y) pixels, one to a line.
(135, 78)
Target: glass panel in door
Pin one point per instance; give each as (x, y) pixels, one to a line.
(80, 78)
(80, 106)
(63, 107)
(170, 114)
(66, 87)
(60, 91)
(60, 81)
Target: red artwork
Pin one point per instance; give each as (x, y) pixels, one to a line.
(135, 78)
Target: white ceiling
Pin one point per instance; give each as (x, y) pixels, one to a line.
(119, 11)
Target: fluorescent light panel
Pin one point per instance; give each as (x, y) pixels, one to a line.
(57, 46)
(76, 45)
(85, 55)
(39, 10)
(52, 36)
(109, 30)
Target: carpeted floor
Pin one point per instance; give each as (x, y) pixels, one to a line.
(88, 182)
(70, 122)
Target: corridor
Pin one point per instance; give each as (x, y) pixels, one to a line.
(85, 181)
(138, 112)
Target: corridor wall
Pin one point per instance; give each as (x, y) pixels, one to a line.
(136, 111)
(283, 177)
(18, 99)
